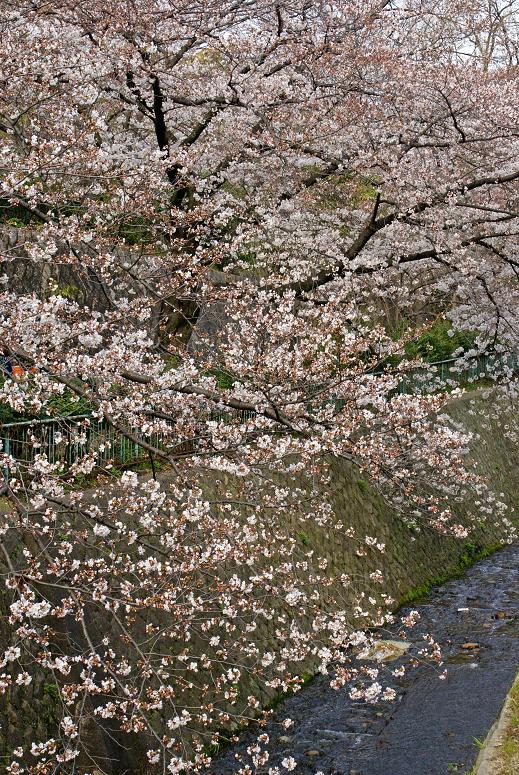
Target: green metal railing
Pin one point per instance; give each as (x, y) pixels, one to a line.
(69, 439)
(453, 372)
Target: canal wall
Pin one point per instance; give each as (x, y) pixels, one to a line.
(413, 559)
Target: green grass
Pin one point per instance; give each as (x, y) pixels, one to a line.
(363, 486)
(509, 749)
(435, 344)
(469, 555)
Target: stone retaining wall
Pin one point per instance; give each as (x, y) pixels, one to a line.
(412, 559)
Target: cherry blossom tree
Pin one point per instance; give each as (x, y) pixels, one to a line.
(249, 186)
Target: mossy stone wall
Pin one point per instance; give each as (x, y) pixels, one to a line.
(412, 561)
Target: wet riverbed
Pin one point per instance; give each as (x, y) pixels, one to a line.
(433, 727)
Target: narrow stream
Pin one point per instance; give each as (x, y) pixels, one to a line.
(433, 727)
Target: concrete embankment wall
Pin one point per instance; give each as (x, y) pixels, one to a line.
(412, 560)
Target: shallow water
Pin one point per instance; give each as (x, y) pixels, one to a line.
(433, 727)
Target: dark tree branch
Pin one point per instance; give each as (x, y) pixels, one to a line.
(158, 115)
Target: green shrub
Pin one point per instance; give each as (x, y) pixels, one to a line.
(224, 380)
(435, 344)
